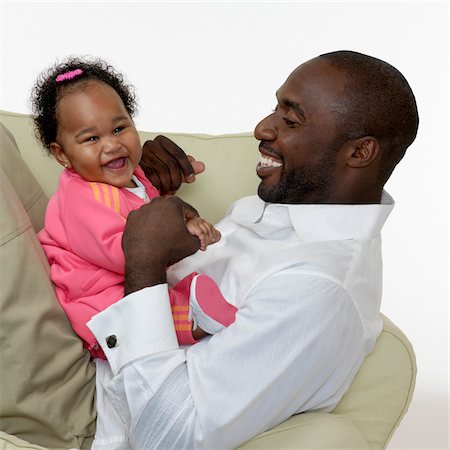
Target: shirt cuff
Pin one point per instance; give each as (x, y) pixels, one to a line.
(136, 326)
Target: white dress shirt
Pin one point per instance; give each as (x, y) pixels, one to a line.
(307, 282)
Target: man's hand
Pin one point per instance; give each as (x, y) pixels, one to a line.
(156, 237)
(167, 166)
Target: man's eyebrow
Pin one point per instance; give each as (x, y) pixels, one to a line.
(295, 106)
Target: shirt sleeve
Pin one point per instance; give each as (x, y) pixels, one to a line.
(296, 344)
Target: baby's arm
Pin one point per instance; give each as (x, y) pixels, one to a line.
(205, 231)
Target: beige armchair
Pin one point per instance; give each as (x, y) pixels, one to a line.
(47, 380)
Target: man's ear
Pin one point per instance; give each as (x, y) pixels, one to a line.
(59, 155)
(363, 152)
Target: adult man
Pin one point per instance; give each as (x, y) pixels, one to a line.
(302, 263)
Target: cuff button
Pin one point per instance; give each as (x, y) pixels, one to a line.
(111, 341)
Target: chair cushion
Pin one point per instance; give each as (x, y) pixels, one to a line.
(311, 431)
(9, 442)
(48, 382)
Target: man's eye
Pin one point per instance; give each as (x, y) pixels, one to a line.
(290, 123)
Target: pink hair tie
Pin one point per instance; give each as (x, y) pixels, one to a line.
(68, 75)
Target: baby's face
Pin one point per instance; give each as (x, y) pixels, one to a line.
(96, 135)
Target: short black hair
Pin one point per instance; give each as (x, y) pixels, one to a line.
(47, 91)
(377, 101)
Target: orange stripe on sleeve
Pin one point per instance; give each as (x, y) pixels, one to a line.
(109, 192)
(106, 195)
(95, 191)
(116, 200)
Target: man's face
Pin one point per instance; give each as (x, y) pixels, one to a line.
(298, 140)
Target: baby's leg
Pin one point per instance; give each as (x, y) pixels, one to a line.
(208, 308)
(179, 302)
(196, 301)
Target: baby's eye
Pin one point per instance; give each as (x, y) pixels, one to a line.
(92, 138)
(118, 129)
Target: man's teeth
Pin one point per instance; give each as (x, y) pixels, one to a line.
(269, 162)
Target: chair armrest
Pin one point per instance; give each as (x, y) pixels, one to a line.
(312, 431)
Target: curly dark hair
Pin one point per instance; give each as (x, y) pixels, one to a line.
(47, 91)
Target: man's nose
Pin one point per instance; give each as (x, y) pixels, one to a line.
(266, 129)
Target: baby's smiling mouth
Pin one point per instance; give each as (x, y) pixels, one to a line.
(117, 163)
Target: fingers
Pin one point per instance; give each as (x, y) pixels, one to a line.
(159, 173)
(188, 210)
(177, 154)
(156, 233)
(198, 167)
(160, 166)
(217, 235)
(166, 165)
(205, 232)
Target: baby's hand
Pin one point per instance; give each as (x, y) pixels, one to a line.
(206, 232)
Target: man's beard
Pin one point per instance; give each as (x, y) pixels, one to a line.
(302, 185)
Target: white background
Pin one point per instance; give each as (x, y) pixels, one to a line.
(213, 67)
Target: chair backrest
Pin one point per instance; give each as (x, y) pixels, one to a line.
(228, 155)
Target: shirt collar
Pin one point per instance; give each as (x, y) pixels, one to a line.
(314, 222)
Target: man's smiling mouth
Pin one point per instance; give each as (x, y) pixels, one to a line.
(267, 161)
(267, 166)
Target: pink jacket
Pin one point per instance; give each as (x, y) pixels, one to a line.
(82, 239)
